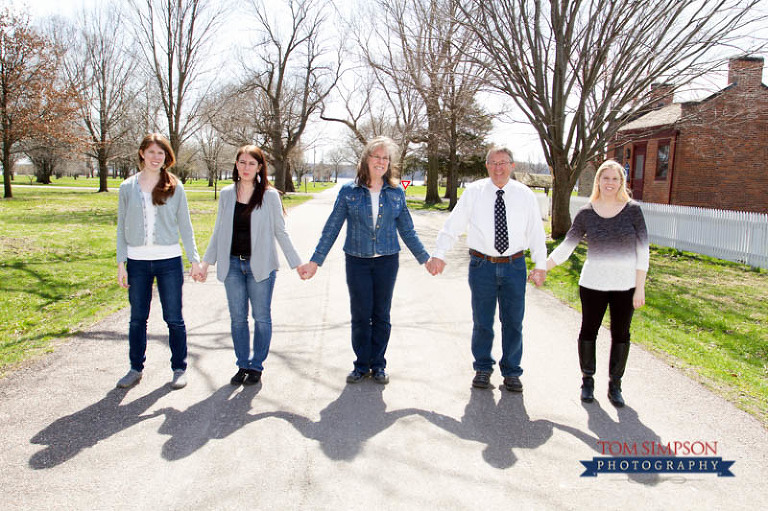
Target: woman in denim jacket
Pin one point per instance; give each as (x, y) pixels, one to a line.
(375, 211)
(152, 213)
(249, 220)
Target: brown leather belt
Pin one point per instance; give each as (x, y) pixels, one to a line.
(504, 259)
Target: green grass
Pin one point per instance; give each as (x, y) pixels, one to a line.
(702, 314)
(57, 264)
(414, 196)
(113, 184)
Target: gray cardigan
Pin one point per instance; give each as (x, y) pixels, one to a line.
(171, 221)
(267, 225)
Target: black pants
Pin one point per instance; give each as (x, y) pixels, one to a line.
(593, 305)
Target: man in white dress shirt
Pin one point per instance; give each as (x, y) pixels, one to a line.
(502, 219)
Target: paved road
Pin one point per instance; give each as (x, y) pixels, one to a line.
(304, 440)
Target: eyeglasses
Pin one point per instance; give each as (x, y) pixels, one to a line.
(499, 163)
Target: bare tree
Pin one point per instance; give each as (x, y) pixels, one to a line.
(415, 52)
(579, 69)
(33, 102)
(375, 105)
(294, 75)
(238, 116)
(211, 150)
(175, 36)
(48, 152)
(100, 66)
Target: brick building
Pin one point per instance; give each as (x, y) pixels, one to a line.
(711, 153)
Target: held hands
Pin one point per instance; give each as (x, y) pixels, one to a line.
(538, 277)
(435, 265)
(202, 272)
(307, 271)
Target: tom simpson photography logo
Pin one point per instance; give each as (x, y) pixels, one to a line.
(652, 457)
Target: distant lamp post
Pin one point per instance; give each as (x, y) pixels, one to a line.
(215, 180)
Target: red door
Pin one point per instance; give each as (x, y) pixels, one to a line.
(637, 171)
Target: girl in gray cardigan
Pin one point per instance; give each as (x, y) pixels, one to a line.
(152, 214)
(249, 220)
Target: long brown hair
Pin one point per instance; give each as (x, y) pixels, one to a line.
(364, 173)
(166, 185)
(260, 183)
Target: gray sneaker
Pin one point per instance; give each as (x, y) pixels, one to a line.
(129, 380)
(179, 379)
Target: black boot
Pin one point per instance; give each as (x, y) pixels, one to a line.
(614, 393)
(587, 363)
(618, 360)
(587, 389)
(616, 366)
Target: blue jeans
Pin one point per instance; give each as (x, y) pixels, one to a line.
(505, 283)
(170, 277)
(241, 288)
(371, 282)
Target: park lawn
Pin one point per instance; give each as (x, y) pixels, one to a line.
(113, 184)
(57, 264)
(704, 315)
(414, 197)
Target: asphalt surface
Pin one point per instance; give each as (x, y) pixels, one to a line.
(303, 439)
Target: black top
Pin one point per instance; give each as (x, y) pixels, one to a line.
(241, 231)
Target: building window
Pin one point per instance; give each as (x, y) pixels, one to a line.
(662, 160)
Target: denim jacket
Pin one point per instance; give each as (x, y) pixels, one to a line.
(353, 204)
(172, 220)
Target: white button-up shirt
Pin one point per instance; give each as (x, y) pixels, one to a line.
(474, 214)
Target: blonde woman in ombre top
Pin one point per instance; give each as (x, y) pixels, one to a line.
(613, 274)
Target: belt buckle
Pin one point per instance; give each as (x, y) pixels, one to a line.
(242, 257)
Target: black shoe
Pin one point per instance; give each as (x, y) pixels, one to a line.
(513, 384)
(253, 377)
(380, 376)
(587, 389)
(239, 376)
(614, 393)
(482, 380)
(357, 376)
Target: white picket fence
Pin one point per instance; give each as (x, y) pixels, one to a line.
(730, 235)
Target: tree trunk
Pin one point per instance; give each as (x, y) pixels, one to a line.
(103, 171)
(433, 170)
(451, 191)
(288, 180)
(433, 151)
(561, 197)
(7, 168)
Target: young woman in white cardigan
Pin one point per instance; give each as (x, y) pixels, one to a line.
(249, 221)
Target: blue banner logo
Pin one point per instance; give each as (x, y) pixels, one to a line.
(679, 465)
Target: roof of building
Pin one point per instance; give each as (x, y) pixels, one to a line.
(664, 116)
(534, 180)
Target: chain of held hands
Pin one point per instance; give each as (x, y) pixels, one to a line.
(434, 266)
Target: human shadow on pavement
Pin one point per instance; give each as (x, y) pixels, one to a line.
(67, 436)
(502, 427)
(628, 430)
(216, 417)
(356, 416)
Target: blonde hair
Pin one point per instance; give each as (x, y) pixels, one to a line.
(623, 194)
